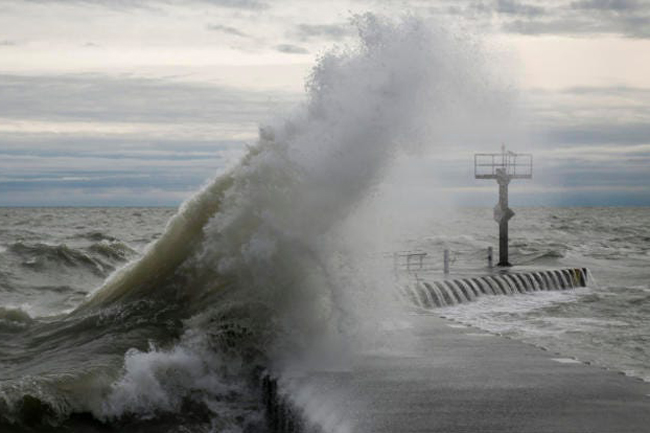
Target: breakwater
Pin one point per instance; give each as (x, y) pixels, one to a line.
(443, 377)
(454, 291)
(284, 414)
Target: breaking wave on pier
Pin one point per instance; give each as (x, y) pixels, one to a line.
(255, 269)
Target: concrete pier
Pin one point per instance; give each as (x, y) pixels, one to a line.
(434, 375)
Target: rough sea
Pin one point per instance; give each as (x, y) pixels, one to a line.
(160, 320)
(132, 366)
(606, 323)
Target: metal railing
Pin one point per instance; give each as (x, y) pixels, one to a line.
(423, 261)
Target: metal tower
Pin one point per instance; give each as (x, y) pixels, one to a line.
(503, 167)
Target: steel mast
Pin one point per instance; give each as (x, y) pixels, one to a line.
(503, 167)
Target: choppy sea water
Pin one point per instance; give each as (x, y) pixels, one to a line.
(606, 323)
(136, 364)
(118, 361)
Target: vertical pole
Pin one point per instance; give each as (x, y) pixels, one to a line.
(446, 259)
(489, 257)
(503, 224)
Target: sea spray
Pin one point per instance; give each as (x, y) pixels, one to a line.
(278, 248)
(270, 224)
(262, 266)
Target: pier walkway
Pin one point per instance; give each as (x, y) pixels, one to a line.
(435, 375)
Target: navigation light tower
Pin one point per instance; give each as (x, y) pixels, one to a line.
(503, 167)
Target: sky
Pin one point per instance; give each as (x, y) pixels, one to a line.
(140, 102)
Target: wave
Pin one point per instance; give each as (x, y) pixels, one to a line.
(14, 318)
(536, 257)
(113, 249)
(40, 256)
(99, 258)
(260, 265)
(97, 236)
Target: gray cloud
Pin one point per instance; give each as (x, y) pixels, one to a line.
(563, 26)
(625, 17)
(239, 4)
(233, 4)
(122, 99)
(629, 18)
(594, 143)
(96, 170)
(592, 116)
(291, 49)
(620, 91)
(145, 166)
(632, 27)
(94, 167)
(481, 9)
(512, 7)
(609, 5)
(306, 32)
(599, 133)
(227, 29)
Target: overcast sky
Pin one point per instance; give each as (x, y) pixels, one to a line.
(139, 102)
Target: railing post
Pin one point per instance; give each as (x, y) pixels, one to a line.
(446, 259)
(489, 257)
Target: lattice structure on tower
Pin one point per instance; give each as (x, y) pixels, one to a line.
(513, 165)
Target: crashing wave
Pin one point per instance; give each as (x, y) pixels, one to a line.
(260, 265)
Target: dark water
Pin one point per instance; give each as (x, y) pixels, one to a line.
(119, 367)
(53, 257)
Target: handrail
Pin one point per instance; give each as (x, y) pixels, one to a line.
(419, 260)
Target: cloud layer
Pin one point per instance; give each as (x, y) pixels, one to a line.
(118, 140)
(151, 108)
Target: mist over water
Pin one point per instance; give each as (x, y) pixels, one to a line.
(265, 266)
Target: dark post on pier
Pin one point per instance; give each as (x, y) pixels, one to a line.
(503, 167)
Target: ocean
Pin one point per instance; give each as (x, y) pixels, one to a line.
(160, 320)
(130, 365)
(154, 362)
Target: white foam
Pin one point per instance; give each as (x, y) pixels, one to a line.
(161, 380)
(566, 360)
(499, 313)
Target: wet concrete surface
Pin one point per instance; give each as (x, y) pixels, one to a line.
(434, 375)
